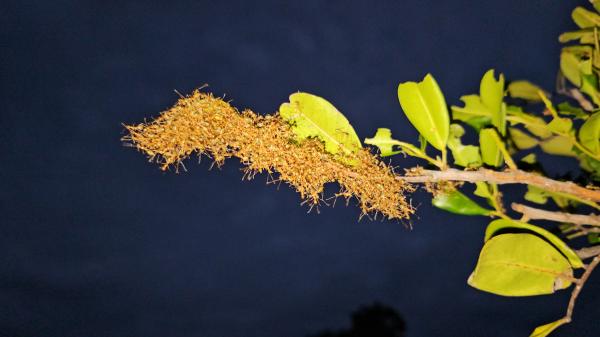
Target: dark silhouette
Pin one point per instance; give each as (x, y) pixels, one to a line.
(375, 320)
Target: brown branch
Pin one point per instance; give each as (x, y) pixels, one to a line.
(540, 214)
(583, 102)
(504, 177)
(575, 293)
(579, 286)
(587, 252)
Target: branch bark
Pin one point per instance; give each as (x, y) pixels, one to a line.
(579, 286)
(540, 214)
(587, 252)
(505, 177)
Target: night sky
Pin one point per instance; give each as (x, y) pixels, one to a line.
(95, 241)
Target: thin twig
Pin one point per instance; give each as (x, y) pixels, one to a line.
(574, 93)
(504, 177)
(540, 214)
(579, 286)
(587, 252)
(575, 293)
(583, 102)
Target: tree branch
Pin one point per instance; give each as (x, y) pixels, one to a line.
(540, 214)
(579, 286)
(504, 177)
(587, 252)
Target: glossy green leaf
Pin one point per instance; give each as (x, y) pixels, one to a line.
(491, 92)
(536, 195)
(566, 109)
(473, 113)
(589, 133)
(530, 159)
(569, 66)
(585, 36)
(589, 164)
(535, 125)
(520, 265)
(558, 146)
(596, 4)
(483, 190)
(422, 143)
(490, 152)
(575, 63)
(458, 203)
(425, 106)
(383, 140)
(546, 329)
(500, 224)
(585, 64)
(311, 116)
(589, 86)
(525, 90)
(464, 155)
(522, 140)
(584, 18)
(560, 125)
(487, 108)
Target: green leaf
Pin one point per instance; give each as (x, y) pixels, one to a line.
(585, 36)
(566, 109)
(530, 159)
(490, 152)
(524, 90)
(546, 329)
(522, 140)
(383, 140)
(473, 113)
(575, 62)
(458, 203)
(422, 143)
(536, 195)
(313, 117)
(589, 133)
(520, 265)
(425, 106)
(584, 18)
(464, 155)
(492, 93)
(535, 125)
(569, 66)
(491, 90)
(560, 125)
(589, 164)
(501, 224)
(483, 190)
(589, 86)
(596, 4)
(558, 146)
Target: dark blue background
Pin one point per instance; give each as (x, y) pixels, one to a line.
(94, 241)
